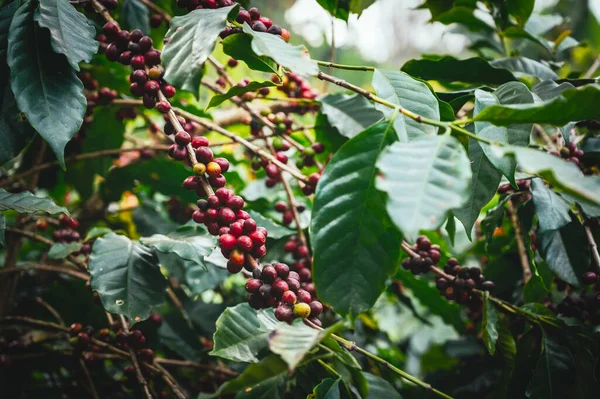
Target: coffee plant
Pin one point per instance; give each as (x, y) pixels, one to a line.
(194, 207)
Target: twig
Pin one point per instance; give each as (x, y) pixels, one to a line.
(196, 365)
(88, 377)
(89, 155)
(138, 371)
(330, 64)
(46, 241)
(157, 10)
(351, 346)
(173, 297)
(595, 65)
(100, 9)
(50, 310)
(520, 242)
(49, 268)
(593, 245)
(170, 380)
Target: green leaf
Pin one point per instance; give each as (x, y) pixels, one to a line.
(264, 380)
(276, 231)
(342, 8)
(26, 202)
(47, 89)
(561, 174)
(242, 333)
(327, 389)
(520, 9)
(554, 371)
(355, 245)
(565, 251)
(136, 15)
(525, 66)
(188, 242)
(552, 211)
(350, 115)
(294, 58)
(239, 47)
(572, 105)
(449, 69)
(71, 33)
(484, 183)
(177, 335)
(400, 89)
(429, 296)
(204, 276)
(489, 325)
(380, 388)
(549, 89)
(127, 277)
(96, 232)
(192, 38)
(437, 172)
(292, 342)
(464, 16)
(60, 250)
(509, 93)
(236, 91)
(2, 230)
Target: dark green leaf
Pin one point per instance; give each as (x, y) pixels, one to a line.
(342, 8)
(71, 33)
(552, 211)
(350, 115)
(96, 232)
(189, 242)
(493, 219)
(192, 38)
(327, 389)
(525, 66)
(176, 335)
(380, 388)
(264, 380)
(520, 9)
(292, 342)
(276, 231)
(466, 17)
(449, 69)
(295, 58)
(438, 173)
(540, 24)
(554, 371)
(136, 15)
(61, 251)
(565, 251)
(47, 89)
(240, 48)
(535, 290)
(26, 202)
(355, 245)
(204, 276)
(127, 277)
(236, 91)
(489, 325)
(430, 297)
(572, 105)
(242, 333)
(413, 95)
(484, 183)
(549, 89)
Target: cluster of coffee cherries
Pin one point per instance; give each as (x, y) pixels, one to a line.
(287, 214)
(571, 153)
(290, 292)
(207, 163)
(429, 255)
(135, 49)
(66, 233)
(302, 259)
(294, 86)
(251, 17)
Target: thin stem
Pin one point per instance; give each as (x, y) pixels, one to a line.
(347, 67)
(520, 242)
(196, 365)
(590, 72)
(138, 371)
(473, 136)
(88, 377)
(100, 9)
(173, 297)
(89, 155)
(46, 241)
(351, 346)
(170, 380)
(50, 310)
(593, 245)
(49, 268)
(157, 10)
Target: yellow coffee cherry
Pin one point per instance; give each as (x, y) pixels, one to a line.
(302, 310)
(199, 169)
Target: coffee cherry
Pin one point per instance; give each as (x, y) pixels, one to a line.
(138, 62)
(204, 155)
(227, 241)
(199, 169)
(305, 275)
(249, 226)
(76, 328)
(293, 284)
(285, 34)
(226, 216)
(284, 313)
(254, 13)
(182, 138)
(244, 243)
(487, 285)
(237, 256)
(241, 214)
(302, 310)
(236, 203)
(213, 169)
(288, 297)
(163, 107)
(259, 251)
(266, 22)
(236, 229)
(275, 30)
(253, 285)
(589, 278)
(223, 163)
(258, 239)
(243, 16)
(256, 301)
(198, 142)
(259, 26)
(316, 308)
(234, 267)
(110, 30)
(304, 296)
(168, 91)
(268, 274)
(279, 287)
(152, 57)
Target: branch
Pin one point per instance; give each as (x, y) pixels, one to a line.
(49, 268)
(520, 242)
(89, 155)
(50, 310)
(157, 10)
(88, 377)
(593, 245)
(170, 380)
(136, 364)
(196, 365)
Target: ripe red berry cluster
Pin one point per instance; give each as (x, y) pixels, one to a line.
(429, 255)
(67, 232)
(288, 216)
(252, 17)
(136, 50)
(294, 86)
(571, 153)
(290, 292)
(523, 188)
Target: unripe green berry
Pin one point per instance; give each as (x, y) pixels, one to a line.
(308, 152)
(302, 310)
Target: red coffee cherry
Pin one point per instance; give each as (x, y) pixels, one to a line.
(279, 287)
(269, 274)
(288, 297)
(198, 142)
(168, 90)
(163, 107)
(244, 243)
(182, 138)
(304, 296)
(236, 203)
(316, 308)
(257, 238)
(223, 163)
(213, 169)
(253, 285)
(236, 229)
(138, 62)
(284, 313)
(227, 241)
(226, 216)
(237, 257)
